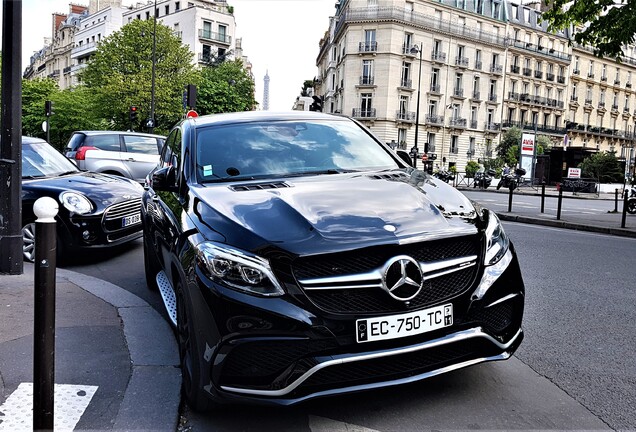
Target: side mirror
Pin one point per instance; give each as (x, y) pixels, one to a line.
(405, 156)
(164, 179)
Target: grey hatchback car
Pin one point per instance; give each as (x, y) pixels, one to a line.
(127, 154)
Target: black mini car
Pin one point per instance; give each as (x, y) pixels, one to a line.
(96, 210)
(299, 257)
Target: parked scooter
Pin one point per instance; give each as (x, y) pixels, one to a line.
(444, 175)
(511, 181)
(631, 201)
(483, 179)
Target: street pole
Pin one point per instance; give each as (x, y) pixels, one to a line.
(152, 79)
(417, 109)
(11, 260)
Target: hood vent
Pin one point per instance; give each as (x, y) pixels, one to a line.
(388, 176)
(259, 186)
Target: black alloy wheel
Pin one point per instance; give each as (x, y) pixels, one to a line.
(190, 360)
(631, 206)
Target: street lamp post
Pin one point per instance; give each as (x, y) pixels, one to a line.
(151, 125)
(417, 50)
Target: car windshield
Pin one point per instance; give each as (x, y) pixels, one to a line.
(286, 148)
(42, 160)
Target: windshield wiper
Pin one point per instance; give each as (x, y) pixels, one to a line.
(67, 172)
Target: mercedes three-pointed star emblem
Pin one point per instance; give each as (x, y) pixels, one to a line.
(402, 278)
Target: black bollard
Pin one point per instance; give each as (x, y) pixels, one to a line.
(625, 199)
(44, 318)
(542, 198)
(510, 199)
(559, 204)
(615, 201)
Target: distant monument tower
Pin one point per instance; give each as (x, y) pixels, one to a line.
(266, 91)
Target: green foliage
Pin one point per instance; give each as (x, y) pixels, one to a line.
(227, 87)
(543, 143)
(306, 85)
(605, 25)
(603, 166)
(471, 168)
(119, 75)
(509, 139)
(34, 93)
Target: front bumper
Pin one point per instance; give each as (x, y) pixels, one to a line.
(285, 350)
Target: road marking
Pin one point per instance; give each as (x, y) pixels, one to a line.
(323, 424)
(70, 402)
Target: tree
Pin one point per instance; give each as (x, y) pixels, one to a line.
(604, 25)
(603, 166)
(227, 87)
(543, 143)
(120, 75)
(306, 85)
(509, 139)
(34, 93)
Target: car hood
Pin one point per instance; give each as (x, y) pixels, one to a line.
(102, 189)
(328, 213)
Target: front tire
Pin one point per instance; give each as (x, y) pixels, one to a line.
(500, 184)
(190, 355)
(631, 206)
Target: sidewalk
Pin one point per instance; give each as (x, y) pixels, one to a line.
(116, 358)
(605, 223)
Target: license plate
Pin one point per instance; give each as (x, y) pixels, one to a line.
(131, 220)
(408, 324)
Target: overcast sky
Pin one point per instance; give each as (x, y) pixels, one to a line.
(279, 36)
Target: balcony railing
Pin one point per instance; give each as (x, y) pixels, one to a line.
(54, 74)
(435, 88)
(371, 46)
(590, 74)
(406, 83)
(458, 92)
(496, 69)
(514, 69)
(603, 78)
(405, 116)
(561, 79)
(626, 110)
(461, 61)
(473, 124)
(549, 76)
(366, 80)
(529, 125)
(628, 85)
(527, 46)
(527, 71)
(406, 49)
(363, 113)
(478, 64)
(83, 49)
(601, 105)
(215, 37)
(492, 97)
(538, 74)
(614, 133)
(574, 98)
(617, 82)
(576, 71)
(438, 56)
(588, 101)
(434, 119)
(614, 107)
(476, 95)
(457, 122)
(493, 126)
(67, 69)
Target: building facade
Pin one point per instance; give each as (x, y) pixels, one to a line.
(477, 68)
(207, 27)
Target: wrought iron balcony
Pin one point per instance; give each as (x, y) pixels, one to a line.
(366, 80)
(438, 56)
(473, 124)
(435, 88)
(574, 98)
(617, 82)
(406, 49)
(496, 69)
(588, 101)
(363, 113)
(561, 79)
(549, 76)
(371, 46)
(405, 116)
(457, 122)
(514, 69)
(614, 107)
(406, 83)
(601, 105)
(476, 95)
(493, 126)
(538, 74)
(604, 78)
(477, 64)
(527, 71)
(492, 97)
(461, 61)
(590, 74)
(434, 119)
(458, 92)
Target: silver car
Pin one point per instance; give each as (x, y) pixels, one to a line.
(127, 154)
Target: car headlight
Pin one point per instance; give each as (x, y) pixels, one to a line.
(76, 202)
(238, 269)
(497, 242)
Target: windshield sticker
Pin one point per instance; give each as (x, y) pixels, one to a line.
(207, 170)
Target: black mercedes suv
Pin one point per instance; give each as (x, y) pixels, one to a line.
(299, 257)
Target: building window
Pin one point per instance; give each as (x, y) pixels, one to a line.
(402, 137)
(431, 142)
(366, 100)
(404, 103)
(496, 10)
(147, 15)
(222, 32)
(207, 53)
(454, 144)
(367, 72)
(167, 9)
(406, 75)
(177, 6)
(432, 108)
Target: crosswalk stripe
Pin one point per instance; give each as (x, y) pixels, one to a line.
(70, 402)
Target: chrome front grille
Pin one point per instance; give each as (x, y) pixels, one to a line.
(112, 222)
(123, 209)
(448, 267)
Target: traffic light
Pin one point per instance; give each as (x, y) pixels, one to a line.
(191, 96)
(317, 104)
(132, 114)
(48, 108)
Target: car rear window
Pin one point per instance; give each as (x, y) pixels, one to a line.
(104, 142)
(75, 142)
(141, 144)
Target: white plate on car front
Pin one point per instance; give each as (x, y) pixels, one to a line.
(403, 325)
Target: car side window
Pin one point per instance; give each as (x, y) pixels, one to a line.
(140, 144)
(104, 142)
(170, 152)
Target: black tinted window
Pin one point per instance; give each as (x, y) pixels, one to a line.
(75, 142)
(104, 142)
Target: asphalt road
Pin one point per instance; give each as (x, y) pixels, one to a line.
(575, 369)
